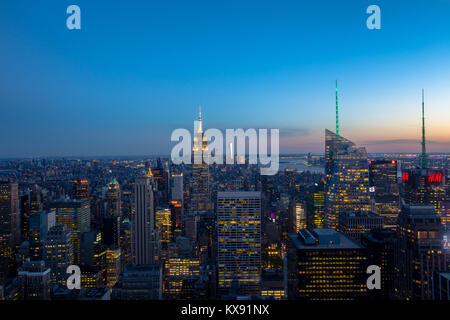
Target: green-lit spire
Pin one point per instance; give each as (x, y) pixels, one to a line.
(423, 158)
(337, 110)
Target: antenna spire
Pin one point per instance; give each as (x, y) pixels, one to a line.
(423, 158)
(199, 112)
(337, 110)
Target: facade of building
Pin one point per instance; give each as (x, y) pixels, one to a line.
(9, 225)
(297, 216)
(75, 216)
(81, 189)
(419, 251)
(139, 282)
(58, 253)
(200, 193)
(385, 190)
(34, 279)
(145, 239)
(355, 224)
(39, 224)
(239, 241)
(348, 184)
(380, 245)
(324, 264)
(427, 187)
(114, 199)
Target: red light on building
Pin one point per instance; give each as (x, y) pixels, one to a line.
(405, 176)
(393, 162)
(435, 177)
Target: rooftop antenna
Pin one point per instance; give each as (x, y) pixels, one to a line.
(423, 158)
(337, 110)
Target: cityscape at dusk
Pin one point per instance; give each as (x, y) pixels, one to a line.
(224, 158)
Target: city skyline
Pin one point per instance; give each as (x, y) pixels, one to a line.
(122, 83)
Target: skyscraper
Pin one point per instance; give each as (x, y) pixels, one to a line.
(348, 183)
(356, 224)
(58, 253)
(75, 215)
(200, 195)
(297, 216)
(384, 188)
(427, 187)
(81, 189)
(419, 251)
(239, 241)
(424, 185)
(177, 187)
(334, 144)
(34, 279)
(315, 205)
(9, 225)
(40, 224)
(114, 202)
(145, 240)
(380, 245)
(161, 179)
(324, 264)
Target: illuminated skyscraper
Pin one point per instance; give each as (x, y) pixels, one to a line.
(75, 215)
(384, 188)
(9, 225)
(176, 214)
(334, 144)
(114, 199)
(81, 189)
(145, 240)
(348, 187)
(315, 204)
(58, 253)
(424, 185)
(297, 216)
(324, 264)
(163, 223)
(113, 266)
(175, 271)
(239, 241)
(419, 251)
(200, 195)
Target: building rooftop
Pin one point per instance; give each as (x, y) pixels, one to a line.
(238, 194)
(322, 239)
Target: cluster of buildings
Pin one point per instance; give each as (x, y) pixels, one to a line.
(147, 229)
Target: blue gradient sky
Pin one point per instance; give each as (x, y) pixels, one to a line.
(139, 69)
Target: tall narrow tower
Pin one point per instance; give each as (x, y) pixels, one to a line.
(200, 196)
(423, 158)
(337, 110)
